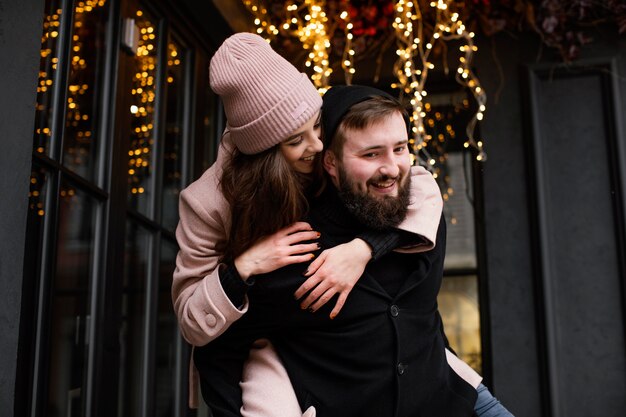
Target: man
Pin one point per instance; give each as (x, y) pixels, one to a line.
(384, 355)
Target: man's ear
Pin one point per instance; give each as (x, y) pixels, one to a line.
(330, 163)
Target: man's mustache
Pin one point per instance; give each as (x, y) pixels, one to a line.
(383, 178)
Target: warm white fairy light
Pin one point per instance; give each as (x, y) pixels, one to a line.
(347, 60)
(412, 65)
(314, 37)
(308, 22)
(411, 78)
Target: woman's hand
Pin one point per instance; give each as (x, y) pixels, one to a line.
(277, 250)
(335, 271)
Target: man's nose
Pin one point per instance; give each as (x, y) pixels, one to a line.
(389, 167)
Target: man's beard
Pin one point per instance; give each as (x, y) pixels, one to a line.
(375, 213)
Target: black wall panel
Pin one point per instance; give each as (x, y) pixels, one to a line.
(580, 246)
(18, 80)
(554, 219)
(510, 287)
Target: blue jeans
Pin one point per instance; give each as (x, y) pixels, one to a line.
(488, 406)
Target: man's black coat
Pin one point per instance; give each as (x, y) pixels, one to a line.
(383, 355)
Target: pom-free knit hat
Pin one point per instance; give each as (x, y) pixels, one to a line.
(265, 97)
(338, 100)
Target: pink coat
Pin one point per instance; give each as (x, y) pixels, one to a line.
(204, 310)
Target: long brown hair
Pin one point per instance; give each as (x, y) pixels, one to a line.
(265, 194)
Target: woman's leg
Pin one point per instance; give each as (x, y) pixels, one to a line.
(488, 406)
(266, 388)
(267, 391)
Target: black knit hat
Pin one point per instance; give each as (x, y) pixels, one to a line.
(338, 100)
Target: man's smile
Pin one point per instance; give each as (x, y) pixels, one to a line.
(384, 185)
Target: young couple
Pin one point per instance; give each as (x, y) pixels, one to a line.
(307, 279)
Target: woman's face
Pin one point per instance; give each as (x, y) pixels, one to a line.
(301, 147)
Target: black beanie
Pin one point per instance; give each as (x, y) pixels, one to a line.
(338, 100)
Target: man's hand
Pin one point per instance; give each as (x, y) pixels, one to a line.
(282, 248)
(335, 271)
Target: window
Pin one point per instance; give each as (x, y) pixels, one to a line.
(459, 301)
(458, 298)
(66, 202)
(112, 148)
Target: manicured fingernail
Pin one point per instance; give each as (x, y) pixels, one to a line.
(312, 256)
(319, 246)
(319, 234)
(332, 316)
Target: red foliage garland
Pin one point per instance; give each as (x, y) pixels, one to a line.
(562, 24)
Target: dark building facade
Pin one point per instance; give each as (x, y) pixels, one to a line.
(107, 115)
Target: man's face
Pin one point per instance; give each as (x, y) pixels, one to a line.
(374, 172)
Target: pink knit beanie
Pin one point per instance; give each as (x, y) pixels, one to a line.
(265, 97)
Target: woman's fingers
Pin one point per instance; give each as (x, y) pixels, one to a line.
(307, 286)
(296, 259)
(315, 265)
(298, 249)
(295, 227)
(299, 237)
(343, 296)
(313, 296)
(323, 299)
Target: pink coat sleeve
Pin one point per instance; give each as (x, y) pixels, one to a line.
(203, 309)
(424, 211)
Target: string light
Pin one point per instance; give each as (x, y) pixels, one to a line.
(142, 108)
(314, 38)
(411, 79)
(143, 93)
(75, 115)
(347, 60)
(48, 66)
(465, 76)
(412, 66)
(309, 23)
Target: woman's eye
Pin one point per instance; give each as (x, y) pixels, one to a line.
(296, 142)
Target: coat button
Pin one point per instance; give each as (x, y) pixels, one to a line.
(401, 368)
(211, 320)
(394, 310)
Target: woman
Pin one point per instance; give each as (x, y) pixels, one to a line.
(268, 155)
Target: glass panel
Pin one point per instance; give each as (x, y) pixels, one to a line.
(167, 335)
(143, 90)
(86, 64)
(36, 194)
(173, 158)
(459, 211)
(458, 304)
(133, 319)
(211, 132)
(69, 309)
(47, 74)
(34, 230)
